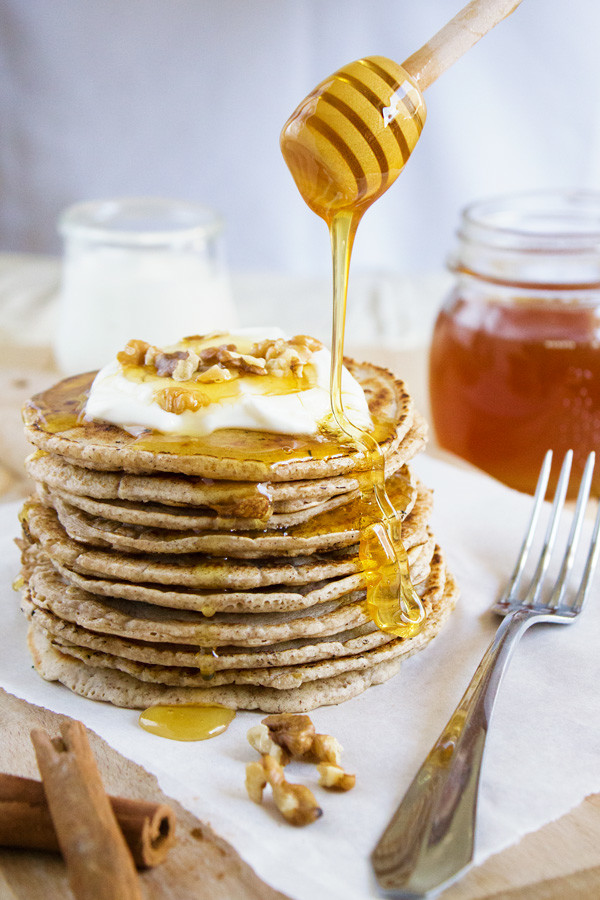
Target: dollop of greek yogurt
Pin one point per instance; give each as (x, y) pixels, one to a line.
(132, 404)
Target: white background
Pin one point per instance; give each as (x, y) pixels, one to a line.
(186, 98)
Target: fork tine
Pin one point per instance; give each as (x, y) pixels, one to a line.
(540, 493)
(590, 564)
(551, 532)
(574, 535)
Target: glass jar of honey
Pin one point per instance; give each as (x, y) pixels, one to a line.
(515, 358)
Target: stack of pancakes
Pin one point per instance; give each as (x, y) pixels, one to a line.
(221, 570)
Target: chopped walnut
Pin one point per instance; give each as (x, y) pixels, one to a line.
(260, 738)
(334, 778)
(220, 362)
(306, 342)
(281, 737)
(326, 749)
(285, 357)
(185, 368)
(256, 781)
(227, 355)
(250, 365)
(295, 802)
(180, 365)
(133, 354)
(178, 400)
(216, 373)
(292, 732)
(151, 353)
(269, 348)
(296, 734)
(288, 361)
(216, 354)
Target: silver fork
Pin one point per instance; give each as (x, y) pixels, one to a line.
(430, 839)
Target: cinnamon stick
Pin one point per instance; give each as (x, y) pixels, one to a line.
(99, 864)
(25, 821)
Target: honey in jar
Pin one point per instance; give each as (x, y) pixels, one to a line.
(515, 356)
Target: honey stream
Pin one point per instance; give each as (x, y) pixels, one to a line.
(345, 145)
(391, 602)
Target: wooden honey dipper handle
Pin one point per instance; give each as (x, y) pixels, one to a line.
(455, 38)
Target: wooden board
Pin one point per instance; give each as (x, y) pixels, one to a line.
(201, 866)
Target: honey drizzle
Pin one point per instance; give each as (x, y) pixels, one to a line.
(345, 144)
(392, 601)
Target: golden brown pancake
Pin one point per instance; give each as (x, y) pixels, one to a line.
(53, 422)
(221, 569)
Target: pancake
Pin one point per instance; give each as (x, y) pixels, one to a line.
(157, 515)
(52, 423)
(193, 570)
(279, 677)
(141, 621)
(234, 499)
(123, 689)
(332, 529)
(163, 569)
(346, 643)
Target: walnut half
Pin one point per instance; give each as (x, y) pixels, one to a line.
(294, 733)
(133, 354)
(179, 400)
(295, 802)
(334, 778)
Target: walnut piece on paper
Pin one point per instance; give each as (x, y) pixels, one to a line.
(295, 733)
(295, 802)
(285, 737)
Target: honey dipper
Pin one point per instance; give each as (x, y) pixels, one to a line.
(350, 138)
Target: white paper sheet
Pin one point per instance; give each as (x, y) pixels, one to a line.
(542, 755)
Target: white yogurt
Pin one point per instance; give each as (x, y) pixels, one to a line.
(132, 404)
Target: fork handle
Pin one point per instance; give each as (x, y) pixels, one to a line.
(430, 838)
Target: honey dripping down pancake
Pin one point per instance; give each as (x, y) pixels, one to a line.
(345, 145)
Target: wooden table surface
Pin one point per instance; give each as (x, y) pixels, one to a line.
(559, 862)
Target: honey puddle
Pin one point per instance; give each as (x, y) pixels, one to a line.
(186, 723)
(345, 145)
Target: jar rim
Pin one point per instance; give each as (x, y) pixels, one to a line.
(563, 221)
(140, 220)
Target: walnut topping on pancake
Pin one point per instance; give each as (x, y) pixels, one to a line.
(178, 400)
(214, 360)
